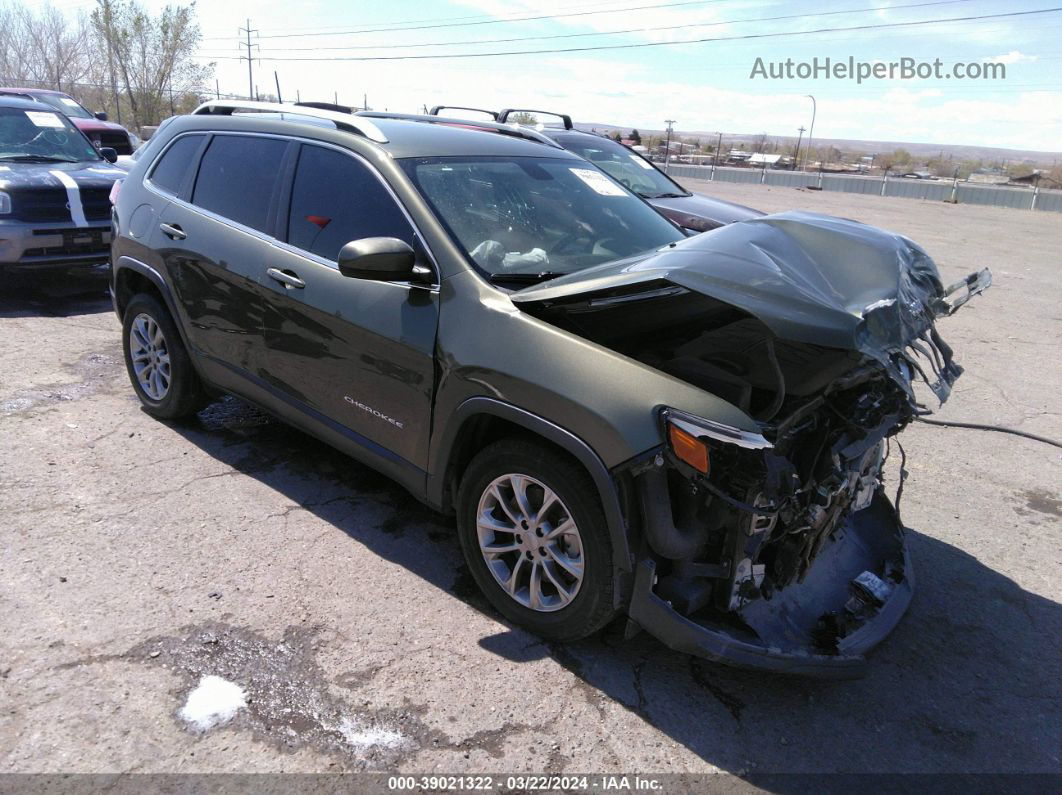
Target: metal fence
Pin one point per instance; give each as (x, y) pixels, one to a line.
(931, 190)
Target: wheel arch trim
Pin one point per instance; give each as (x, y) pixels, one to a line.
(563, 438)
(127, 263)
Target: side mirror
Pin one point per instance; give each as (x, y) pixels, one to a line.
(381, 259)
(101, 115)
(109, 154)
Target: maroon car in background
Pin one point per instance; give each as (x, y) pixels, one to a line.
(95, 125)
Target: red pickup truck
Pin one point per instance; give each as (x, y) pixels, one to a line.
(95, 125)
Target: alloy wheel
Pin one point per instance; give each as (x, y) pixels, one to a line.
(150, 356)
(530, 542)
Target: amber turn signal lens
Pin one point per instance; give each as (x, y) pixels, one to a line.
(688, 448)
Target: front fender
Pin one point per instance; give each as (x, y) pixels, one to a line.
(487, 347)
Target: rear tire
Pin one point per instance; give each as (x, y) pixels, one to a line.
(158, 364)
(535, 539)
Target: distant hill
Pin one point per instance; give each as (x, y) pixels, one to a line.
(917, 150)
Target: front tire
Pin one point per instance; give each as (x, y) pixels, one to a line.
(158, 364)
(535, 539)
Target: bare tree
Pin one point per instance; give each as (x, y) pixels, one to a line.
(152, 56)
(44, 48)
(762, 143)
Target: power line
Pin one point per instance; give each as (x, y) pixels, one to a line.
(324, 29)
(639, 45)
(495, 21)
(626, 30)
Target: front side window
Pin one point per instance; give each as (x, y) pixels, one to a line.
(172, 168)
(336, 199)
(236, 178)
(42, 136)
(533, 215)
(620, 163)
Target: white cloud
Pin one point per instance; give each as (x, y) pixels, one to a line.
(705, 87)
(1014, 56)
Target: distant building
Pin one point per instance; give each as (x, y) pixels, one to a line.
(762, 160)
(987, 177)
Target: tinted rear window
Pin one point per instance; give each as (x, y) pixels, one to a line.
(173, 166)
(336, 199)
(236, 177)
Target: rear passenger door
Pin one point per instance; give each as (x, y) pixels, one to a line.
(216, 239)
(359, 352)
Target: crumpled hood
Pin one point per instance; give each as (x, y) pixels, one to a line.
(701, 213)
(809, 278)
(87, 174)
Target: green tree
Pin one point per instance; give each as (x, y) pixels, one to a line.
(636, 137)
(151, 57)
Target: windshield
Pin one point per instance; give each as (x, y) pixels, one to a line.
(531, 215)
(41, 135)
(620, 163)
(69, 106)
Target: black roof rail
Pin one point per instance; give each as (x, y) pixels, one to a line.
(435, 111)
(326, 106)
(514, 130)
(503, 117)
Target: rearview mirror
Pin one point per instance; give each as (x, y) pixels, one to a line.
(101, 115)
(109, 154)
(382, 259)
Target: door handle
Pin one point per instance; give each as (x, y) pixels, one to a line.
(172, 231)
(286, 278)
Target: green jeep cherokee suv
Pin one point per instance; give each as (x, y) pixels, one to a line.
(689, 431)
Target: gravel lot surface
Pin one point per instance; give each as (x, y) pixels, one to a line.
(138, 557)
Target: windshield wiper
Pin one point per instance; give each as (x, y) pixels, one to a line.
(665, 196)
(523, 278)
(37, 159)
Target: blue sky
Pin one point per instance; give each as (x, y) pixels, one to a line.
(703, 86)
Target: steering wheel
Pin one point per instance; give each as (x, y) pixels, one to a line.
(566, 243)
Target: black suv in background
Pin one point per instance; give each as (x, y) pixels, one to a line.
(624, 419)
(692, 211)
(55, 210)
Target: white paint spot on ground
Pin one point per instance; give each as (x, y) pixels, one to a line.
(213, 703)
(363, 738)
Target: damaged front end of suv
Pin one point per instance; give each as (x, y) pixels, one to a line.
(775, 549)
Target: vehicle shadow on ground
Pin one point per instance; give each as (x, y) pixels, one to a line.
(58, 294)
(969, 681)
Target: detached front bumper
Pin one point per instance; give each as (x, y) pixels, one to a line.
(786, 626)
(28, 246)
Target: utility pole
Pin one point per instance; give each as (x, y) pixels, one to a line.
(108, 26)
(811, 132)
(796, 155)
(217, 87)
(277, 80)
(667, 146)
(250, 72)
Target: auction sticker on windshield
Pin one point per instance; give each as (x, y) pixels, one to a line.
(598, 181)
(643, 163)
(44, 119)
